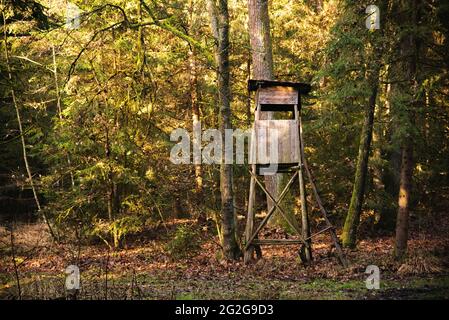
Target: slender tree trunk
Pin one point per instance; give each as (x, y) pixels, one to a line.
(193, 89)
(389, 178)
(22, 136)
(349, 235)
(219, 17)
(197, 128)
(248, 98)
(408, 68)
(141, 58)
(405, 188)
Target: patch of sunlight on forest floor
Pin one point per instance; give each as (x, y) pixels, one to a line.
(143, 269)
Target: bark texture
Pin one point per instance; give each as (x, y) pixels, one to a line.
(349, 235)
(408, 68)
(262, 61)
(219, 17)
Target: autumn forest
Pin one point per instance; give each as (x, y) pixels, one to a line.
(127, 132)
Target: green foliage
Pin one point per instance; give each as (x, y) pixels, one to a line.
(184, 243)
(101, 165)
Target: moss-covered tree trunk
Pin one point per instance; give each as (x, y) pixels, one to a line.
(349, 235)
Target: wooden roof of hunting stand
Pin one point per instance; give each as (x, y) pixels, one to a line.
(278, 95)
(253, 85)
(275, 97)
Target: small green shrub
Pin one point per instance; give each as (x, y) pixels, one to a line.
(185, 242)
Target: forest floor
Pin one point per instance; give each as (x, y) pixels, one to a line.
(144, 270)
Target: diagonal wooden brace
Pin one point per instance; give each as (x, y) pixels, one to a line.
(272, 210)
(264, 221)
(276, 204)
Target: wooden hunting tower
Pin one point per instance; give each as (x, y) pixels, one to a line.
(277, 146)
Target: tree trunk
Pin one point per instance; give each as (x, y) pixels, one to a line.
(112, 199)
(402, 221)
(349, 235)
(219, 17)
(197, 137)
(260, 39)
(408, 68)
(193, 89)
(389, 152)
(262, 59)
(59, 107)
(248, 98)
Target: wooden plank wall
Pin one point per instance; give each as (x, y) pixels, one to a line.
(288, 141)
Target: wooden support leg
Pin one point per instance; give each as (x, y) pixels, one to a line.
(249, 250)
(334, 237)
(338, 249)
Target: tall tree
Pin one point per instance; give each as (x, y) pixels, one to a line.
(358, 192)
(373, 51)
(219, 18)
(359, 54)
(408, 17)
(262, 60)
(260, 39)
(196, 122)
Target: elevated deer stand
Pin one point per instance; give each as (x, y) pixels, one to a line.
(287, 154)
